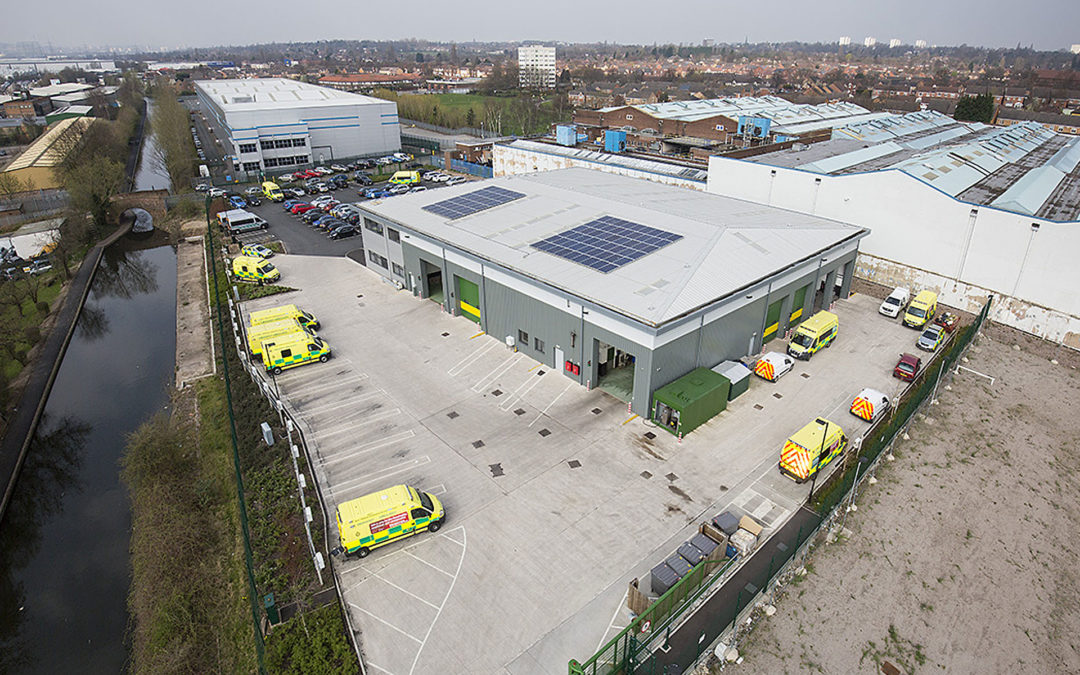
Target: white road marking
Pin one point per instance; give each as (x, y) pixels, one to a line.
(379, 475)
(464, 363)
(387, 623)
(497, 372)
(368, 447)
(544, 411)
(436, 490)
(450, 590)
(369, 664)
(393, 412)
(408, 593)
(434, 567)
(519, 393)
(611, 624)
(351, 401)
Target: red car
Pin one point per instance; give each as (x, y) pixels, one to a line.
(326, 206)
(907, 367)
(948, 321)
(301, 208)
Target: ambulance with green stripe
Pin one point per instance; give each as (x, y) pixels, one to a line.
(290, 351)
(306, 319)
(275, 330)
(374, 520)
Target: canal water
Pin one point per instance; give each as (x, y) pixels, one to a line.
(150, 175)
(64, 562)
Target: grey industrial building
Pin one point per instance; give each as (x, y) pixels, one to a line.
(612, 281)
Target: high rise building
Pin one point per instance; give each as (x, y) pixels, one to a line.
(845, 41)
(536, 67)
(920, 44)
(894, 43)
(869, 42)
(1075, 49)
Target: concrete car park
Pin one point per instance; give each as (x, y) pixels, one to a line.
(556, 496)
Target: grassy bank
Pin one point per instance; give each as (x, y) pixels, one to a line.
(519, 115)
(188, 600)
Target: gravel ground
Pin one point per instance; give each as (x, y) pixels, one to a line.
(963, 558)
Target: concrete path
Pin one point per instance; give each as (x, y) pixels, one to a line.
(194, 349)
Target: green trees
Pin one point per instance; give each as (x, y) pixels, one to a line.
(975, 109)
(175, 150)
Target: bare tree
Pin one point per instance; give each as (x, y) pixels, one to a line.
(10, 185)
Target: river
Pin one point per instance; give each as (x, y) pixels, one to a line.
(150, 175)
(64, 561)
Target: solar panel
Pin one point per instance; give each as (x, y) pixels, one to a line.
(607, 243)
(472, 202)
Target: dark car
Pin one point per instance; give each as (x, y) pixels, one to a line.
(341, 180)
(907, 367)
(362, 178)
(312, 216)
(253, 200)
(343, 232)
(331, 224)
(321, 220)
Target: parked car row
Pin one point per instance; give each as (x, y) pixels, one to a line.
(336, 219)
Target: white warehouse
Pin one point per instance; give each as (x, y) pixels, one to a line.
(274, 123)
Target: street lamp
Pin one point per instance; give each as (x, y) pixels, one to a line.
(817, 460)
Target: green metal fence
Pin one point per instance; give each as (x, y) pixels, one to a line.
(632, 650)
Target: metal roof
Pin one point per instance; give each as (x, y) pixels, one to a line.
(647, 165)
(787, 117)
(1024, 168)
(727, 244)
(276, 92)
(44, 150)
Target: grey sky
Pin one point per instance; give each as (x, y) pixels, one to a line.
(1048, 24)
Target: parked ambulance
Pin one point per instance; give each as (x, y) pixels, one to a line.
(374, 520)
(267, 332)
(869, 404)
(299, 349)
(255, 270)
(921, 310)
(306, 319)
(815, 333)
(811, 448)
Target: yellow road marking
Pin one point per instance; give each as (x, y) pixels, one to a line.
(631, 419)
(535, 367)
(477, 335)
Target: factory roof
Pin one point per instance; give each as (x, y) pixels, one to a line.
(1024, 168)
(673, 169)
(45, 150)
(710, 247)
(275, 92)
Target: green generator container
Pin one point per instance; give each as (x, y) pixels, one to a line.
(690, 401)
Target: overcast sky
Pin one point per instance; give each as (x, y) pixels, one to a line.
(1047, 24)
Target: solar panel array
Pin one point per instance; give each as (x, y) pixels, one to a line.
(472, 202)
(607, 243)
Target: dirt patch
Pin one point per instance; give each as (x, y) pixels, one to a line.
(963, 557)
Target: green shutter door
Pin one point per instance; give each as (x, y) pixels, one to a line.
(772, 319)
(797, 305)
(468, 299)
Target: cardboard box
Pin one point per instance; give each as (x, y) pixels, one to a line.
(750, 525)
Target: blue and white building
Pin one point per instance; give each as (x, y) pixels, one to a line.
(273, 123)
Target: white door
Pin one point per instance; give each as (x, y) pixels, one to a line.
(559, 358)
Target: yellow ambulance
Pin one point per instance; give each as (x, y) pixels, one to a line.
(812, 448)
(255, 270)
(279, 354)
(405, 178)
(269, 332)
(813, 334)
(272, 192)
(375, 520)
(921, 310)
(306, 319)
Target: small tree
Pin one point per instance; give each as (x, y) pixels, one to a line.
(975, 109)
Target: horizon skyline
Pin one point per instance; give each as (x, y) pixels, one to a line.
(176, 28)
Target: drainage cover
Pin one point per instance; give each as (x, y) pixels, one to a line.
(671, 476)
(646, 475)
(453, 414)
(806, 376)
(574, 463)
(478, 444)
(496, 470)
(446, 334)
(758, 406)
(544, 432)
(650, 435)
(519, 411)
(596, 411)
(778, 395)
(497, 392)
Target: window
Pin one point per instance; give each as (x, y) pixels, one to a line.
(629, 117)
(286, 353)
(270, 162)
(248, 148)
(523, 337)
(377, 259)
(393, 235)
(398, 270)
(539, 344)
(283, 143)
(299, 142)
(266, 145)
(251, 166)
(373, 226)
(418, 514)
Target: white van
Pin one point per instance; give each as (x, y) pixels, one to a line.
(895, 303)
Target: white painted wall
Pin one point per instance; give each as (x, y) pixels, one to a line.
(511, 161)
(928, 239)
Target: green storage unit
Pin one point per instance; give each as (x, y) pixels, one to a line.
(737, 374)
(690, 401)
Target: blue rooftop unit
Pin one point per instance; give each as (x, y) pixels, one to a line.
(756, 127)
(566, 134)
(614, 141)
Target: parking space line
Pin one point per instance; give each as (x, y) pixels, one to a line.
(380, 475)
(434, 567)
(519, 393)
(408, 593)
(369, 664)
(437, 490)
(544, 411)
(393, 412)
(334, 384)
(385, 622)
(352, 401)
(464, 363)
(611, 624)
(450, 590)
(497, 373)
(374, 445)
